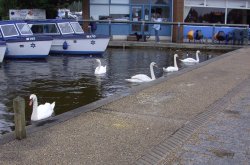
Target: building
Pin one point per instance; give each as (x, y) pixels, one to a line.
(192, 11)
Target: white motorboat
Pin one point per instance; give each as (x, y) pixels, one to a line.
(20, 41)
(69, 37)
(2, 50)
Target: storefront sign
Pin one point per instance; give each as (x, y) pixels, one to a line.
(27, 14)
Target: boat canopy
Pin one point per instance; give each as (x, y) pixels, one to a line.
(55, 27)
(9, 30)
(14, 30)
(65, 28)
(24, 29)
(44, 28)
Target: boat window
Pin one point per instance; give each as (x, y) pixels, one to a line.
(77, 27)
(65, 28)
(24, 29)
(9, 30)
(49, 28)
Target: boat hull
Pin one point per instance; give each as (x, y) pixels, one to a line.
(28, 49)
(2, 52)
(79, 46)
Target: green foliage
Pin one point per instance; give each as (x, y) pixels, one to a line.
(48, 5)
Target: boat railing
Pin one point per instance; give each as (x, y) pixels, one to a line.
(180, 28)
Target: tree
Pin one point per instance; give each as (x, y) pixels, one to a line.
(49, 6)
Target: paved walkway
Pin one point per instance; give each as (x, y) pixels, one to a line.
(223, 140)
(196, 116)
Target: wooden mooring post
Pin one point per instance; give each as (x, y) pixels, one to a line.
(19, 110)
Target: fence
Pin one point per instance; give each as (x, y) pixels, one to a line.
(209, 30)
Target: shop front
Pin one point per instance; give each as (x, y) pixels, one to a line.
(216, 12)
(132, 11)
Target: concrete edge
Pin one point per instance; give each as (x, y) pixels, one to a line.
(139, 44)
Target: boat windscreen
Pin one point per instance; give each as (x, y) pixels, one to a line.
(77, 27)
(9, 30)
(47, 28)
(65, 28)
(24, 29)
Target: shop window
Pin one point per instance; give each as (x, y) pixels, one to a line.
(139, 1)
(236, 4)
(119, 12)
(160, 2)
(99, 1)
(216, 3)
(163, 11)
(194, 2)
(99, 12)
(204, 15)
(238, 16)
(119, 2)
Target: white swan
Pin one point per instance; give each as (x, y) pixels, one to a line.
(100, 69)
(142, 77)
(42, 111)
(191, 60)
(172, 68)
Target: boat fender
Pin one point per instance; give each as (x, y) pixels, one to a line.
(65, 45)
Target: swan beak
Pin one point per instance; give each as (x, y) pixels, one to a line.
(30, 103)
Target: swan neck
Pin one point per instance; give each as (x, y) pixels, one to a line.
(35, 104)
(152, 72)
(197, 56)
(175, 63)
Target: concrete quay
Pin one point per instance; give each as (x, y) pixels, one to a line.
(199, 115)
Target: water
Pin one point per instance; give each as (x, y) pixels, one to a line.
(70, 81)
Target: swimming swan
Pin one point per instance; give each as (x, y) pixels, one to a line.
(191, 60)
(100, 69)
(142, 77)
(42, 111)
(172, 68)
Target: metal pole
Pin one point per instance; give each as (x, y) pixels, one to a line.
(213, 31)
(110, 28)
(178, 33)
(143, 31)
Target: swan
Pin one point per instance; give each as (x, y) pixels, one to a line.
(100, 69)
(142, 77)
(42, 111)
(172, 68)
(191, 60)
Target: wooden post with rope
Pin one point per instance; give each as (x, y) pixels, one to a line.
(19, 110)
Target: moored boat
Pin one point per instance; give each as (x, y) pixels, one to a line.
(2, 50)
(69, 37)
(20, 41)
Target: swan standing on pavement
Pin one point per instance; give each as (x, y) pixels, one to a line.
(191, 60)
(172, 68)
(142, 77)
(42, 111)
(100, 69)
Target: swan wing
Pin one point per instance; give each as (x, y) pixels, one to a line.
(189, 60)
(134, 80)
(139, 78)
(45, 110)
(100, 70)
(142, 77)
(170, 69)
